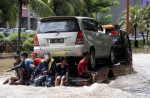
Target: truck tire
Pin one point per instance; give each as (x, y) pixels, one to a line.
(111, 60)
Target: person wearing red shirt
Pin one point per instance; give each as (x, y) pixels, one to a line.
(36, 60)
(83, 71)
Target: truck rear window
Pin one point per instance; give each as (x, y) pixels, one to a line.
(59, 25)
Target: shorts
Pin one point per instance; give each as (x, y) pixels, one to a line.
(86, 75)
(60, 77)
(26, 76)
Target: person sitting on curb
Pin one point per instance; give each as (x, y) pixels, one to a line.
(36, 61)
(28, 62)
(62, 74)
(46, 71)
(15, 78)
(22, 71)
(83, 71)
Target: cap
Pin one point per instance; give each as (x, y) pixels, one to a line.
(34, 53)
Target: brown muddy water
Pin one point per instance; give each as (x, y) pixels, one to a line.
(136, 85)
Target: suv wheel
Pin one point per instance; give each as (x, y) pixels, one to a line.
(92, 59)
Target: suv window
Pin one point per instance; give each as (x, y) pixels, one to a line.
(59, 25)
(89, 24)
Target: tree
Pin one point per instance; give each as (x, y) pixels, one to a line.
(42, 8)
(145, 20)
(134, 17)
(1, 15)
(8, 11)
(100, 6)
(139, 16)
(57, 7)
(134, 20)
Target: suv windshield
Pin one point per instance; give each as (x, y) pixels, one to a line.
(59, 25)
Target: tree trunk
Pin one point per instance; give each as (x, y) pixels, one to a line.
(135, 31)
(19, 26)
(135, 42)
(143, 38)
(55, 8)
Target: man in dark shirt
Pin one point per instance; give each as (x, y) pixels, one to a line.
(45, 71)
(62, 72)
(21, 72)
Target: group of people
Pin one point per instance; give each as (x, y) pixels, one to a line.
(45, 71)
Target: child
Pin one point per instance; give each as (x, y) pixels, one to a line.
(62, 74)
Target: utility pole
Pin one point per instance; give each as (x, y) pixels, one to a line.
(127, 16)
(29, 17)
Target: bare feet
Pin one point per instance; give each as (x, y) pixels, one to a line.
(5, 82)
(20, 81)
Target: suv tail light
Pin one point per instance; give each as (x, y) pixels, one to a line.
(36, 41)
(114, 33)
(79, 39)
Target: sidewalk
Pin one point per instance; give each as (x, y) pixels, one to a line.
(6, 55)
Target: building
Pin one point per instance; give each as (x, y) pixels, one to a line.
(28, 16)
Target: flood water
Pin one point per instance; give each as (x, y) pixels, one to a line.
(136, 85)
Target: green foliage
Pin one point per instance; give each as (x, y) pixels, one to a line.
(138, 15)
(101, 6)
(30, 35)
(14, 37)
(28, 45)
(1, 15)
(105, 19)
(57, 7)
(135, 17)
(8, 10)
(1, 35)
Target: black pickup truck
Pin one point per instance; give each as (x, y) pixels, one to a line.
(123, 56)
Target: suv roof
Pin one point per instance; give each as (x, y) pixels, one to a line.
(64, 17)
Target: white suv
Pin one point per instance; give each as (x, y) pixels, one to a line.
(71, 36)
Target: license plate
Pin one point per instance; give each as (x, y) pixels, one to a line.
(57, 40)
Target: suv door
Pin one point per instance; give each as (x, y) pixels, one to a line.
(91, 38)
(105, 39)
